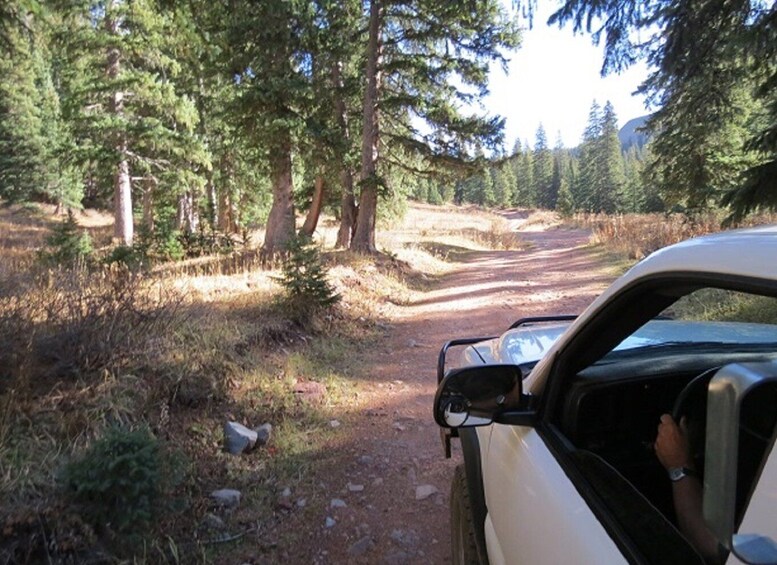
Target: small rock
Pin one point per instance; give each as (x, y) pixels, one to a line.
(286, 493)
(406, 539)
(360, 547)
(263, 434)
(398, 426)
(337, 503)
(238, 438)
(334, 424)
(229, 498)
(355, 488)
(377, 482)
(330, 522)
(412, 343)
(302, 502)
(213, 522)
(424, 491)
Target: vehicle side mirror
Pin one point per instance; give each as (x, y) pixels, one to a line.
(732, 394)
(476, 396)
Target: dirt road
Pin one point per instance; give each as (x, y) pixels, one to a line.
(389, 483)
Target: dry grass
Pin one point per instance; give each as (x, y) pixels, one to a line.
(183, 349)
(637, 235)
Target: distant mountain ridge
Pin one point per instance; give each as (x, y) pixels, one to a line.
(629, 135)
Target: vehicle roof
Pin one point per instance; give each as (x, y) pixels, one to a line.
(748, 252)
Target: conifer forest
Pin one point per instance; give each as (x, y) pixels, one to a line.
(190, 116)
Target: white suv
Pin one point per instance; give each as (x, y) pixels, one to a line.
(557, 417)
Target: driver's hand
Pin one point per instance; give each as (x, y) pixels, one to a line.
(672, 444)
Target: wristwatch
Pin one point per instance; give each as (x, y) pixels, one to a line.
(679, 473)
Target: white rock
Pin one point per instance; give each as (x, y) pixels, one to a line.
(239, 438)
(337, 503)
(329, 522)
(355, 488)
(263, 434)
(334, 424)
(377, 482)
(226, 497)
(424, 491)
(286, 493)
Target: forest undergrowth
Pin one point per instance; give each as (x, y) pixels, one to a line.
(115, 384)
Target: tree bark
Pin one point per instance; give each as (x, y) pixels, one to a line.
(311, 220)
(188, 219)
(148, 205)
(347, 201)
(280, 223)
(224, 217)
(364, 236)
(123, 228)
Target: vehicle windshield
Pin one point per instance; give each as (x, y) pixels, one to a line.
(707, 319)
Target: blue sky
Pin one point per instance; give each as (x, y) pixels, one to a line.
(553, 78)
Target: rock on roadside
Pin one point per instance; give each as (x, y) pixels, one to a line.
(238, 438)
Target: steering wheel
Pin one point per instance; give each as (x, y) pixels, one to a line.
(691, 404)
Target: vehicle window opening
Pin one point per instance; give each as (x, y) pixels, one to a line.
(611, 408)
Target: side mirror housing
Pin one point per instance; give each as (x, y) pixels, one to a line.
(727, 393)
(478, 395)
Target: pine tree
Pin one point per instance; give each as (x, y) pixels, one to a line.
(542, 161)
(131, 122)
(34, 139)
(714, 72)
(414, 50)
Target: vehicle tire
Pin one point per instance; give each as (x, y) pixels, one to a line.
(463, 546)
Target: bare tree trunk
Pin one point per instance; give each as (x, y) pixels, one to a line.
(148, 205)
(213, 205)
(123, 228)
(280, 223)
(364, 236)
(311, 220)
(224, 217)
(347, 201)
(188, 218)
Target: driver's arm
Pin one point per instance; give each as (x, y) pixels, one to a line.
(673, 451)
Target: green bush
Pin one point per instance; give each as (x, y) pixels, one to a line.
(67, 244)
(304, 280)
(119, 483)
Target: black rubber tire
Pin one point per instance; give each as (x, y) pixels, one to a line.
(463, 547)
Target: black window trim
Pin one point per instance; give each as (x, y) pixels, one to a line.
(551, 398)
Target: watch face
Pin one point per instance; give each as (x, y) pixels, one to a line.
(676, 473)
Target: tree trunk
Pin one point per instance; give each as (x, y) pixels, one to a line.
(148, 205)
(224, 219)
(123, 229)
(364, 235)
(347, 201)
(188, 219)
(311, 220)
(280, 223)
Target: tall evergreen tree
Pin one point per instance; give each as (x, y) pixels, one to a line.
(714, 62)
(542, 161)
(414, 49)
(131, 122)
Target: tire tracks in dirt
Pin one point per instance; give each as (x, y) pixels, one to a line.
(393, 447)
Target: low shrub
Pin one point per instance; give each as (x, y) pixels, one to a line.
(77, 322)
(120, 482)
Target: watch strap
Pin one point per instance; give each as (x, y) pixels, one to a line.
(679, 473)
